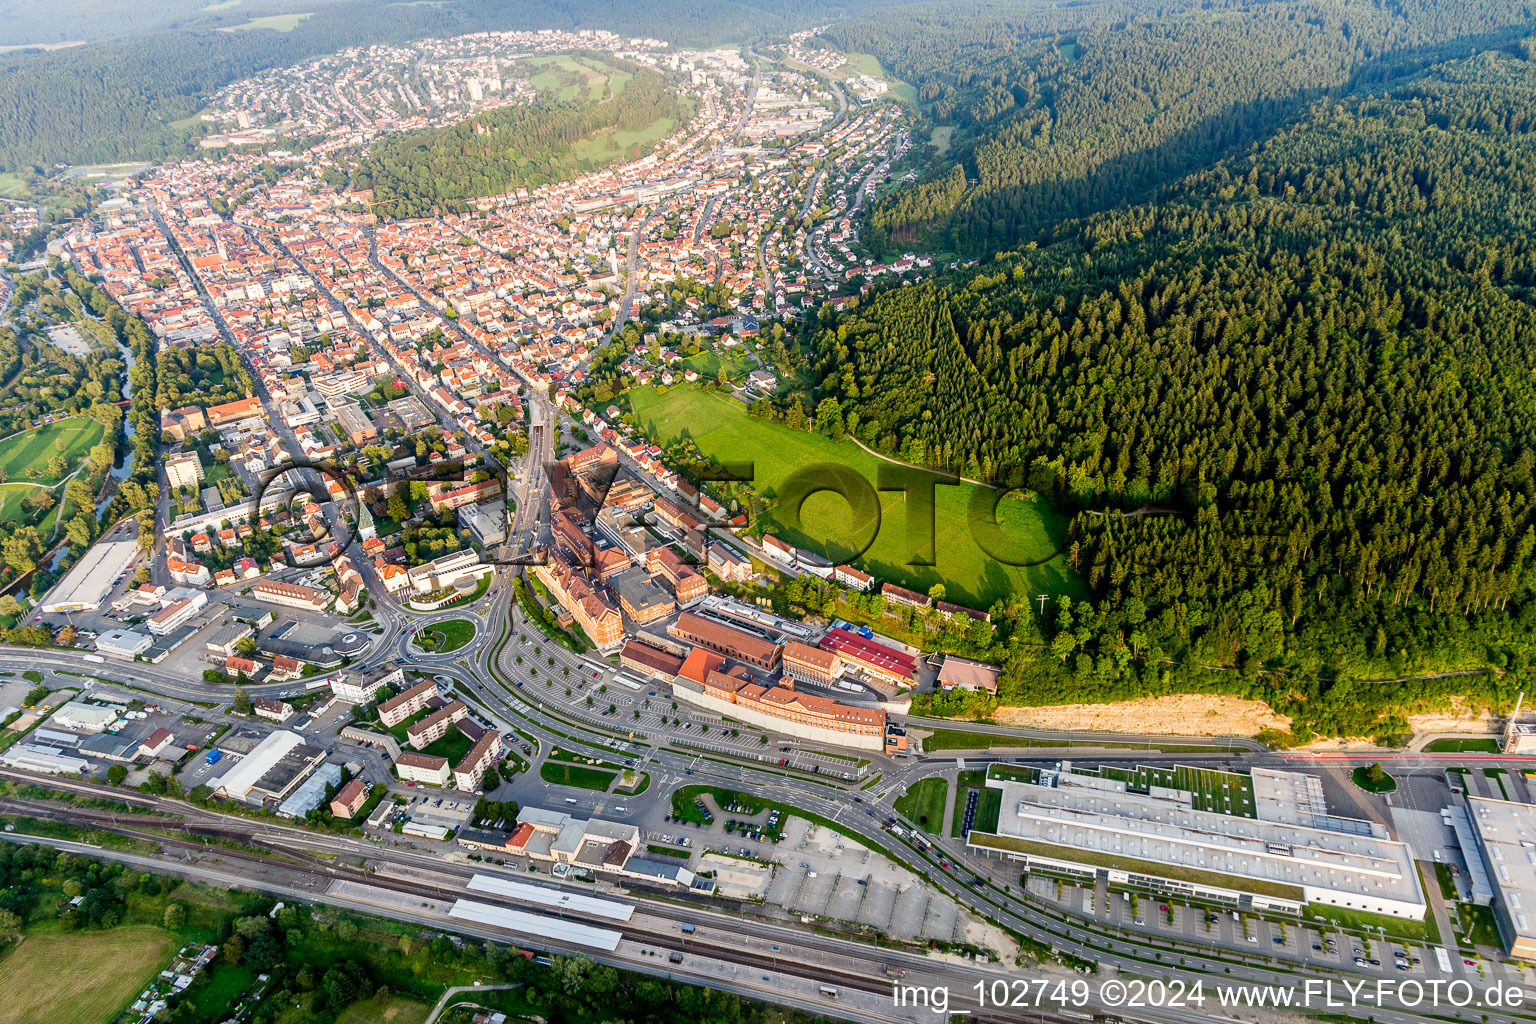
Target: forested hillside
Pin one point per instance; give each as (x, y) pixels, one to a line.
(1065, 111)
(417, 173)
(1311, 369)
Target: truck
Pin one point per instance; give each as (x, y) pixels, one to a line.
(688, 929)
(214, 757)
(1443, 959)
(95, 659)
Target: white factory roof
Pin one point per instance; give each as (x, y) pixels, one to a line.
(1090, 819)
(552, 928)
(123, 642)
(80, 715)
(311, 792)
(1507, 831)
(544, 896)
(238, 780)
(40, 759)
(89, 580)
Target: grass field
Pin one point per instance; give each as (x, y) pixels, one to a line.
(24, 456)
(708, 363)
(275, 22)
(1452, 746)
(560, 773)
(597, 147)
(577, 79)
(923, 803)
(1361, 778)
(453, 745)
(390, 1010)
(11, 510)
(79, 977)
(721, 427)
(449, 635)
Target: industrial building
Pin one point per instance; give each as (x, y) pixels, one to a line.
(1504, 835)
(91, 579)
(123, 643)
(1287, 855)
(271, 771)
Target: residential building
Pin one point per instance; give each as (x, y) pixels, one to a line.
(854, 579)
(902, 596)
(975, 676)
(360, 689)
(435, 726)
(729, 564)
(349, 799)
(428, 768)
(184, 469)
(402, 706)
(468, 773)
(272, 709)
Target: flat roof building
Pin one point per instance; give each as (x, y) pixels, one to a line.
(1505, 834)
(1087, 825)
(91, 579)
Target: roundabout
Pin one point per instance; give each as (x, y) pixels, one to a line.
(443, 637)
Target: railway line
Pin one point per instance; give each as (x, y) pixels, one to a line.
(657, 932)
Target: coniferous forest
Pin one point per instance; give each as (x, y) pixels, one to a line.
(1290, 400)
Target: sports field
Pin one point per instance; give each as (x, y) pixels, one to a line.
(24, 456)
(79, 977)
(1028, 531)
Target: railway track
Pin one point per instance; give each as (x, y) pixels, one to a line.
(658, 932)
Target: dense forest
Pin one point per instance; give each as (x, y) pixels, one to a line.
(1068, 110)
(1291, 403)
(133, 97)
(415, 174)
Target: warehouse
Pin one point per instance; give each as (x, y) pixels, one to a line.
(271, 771)
(1505, 835)
(123, 643)
(1083, 825)
(91, 579)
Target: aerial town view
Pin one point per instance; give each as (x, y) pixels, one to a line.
(983, 510)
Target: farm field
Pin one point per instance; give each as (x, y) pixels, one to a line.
(90, 976)
(1030, 532)
(24, 456)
